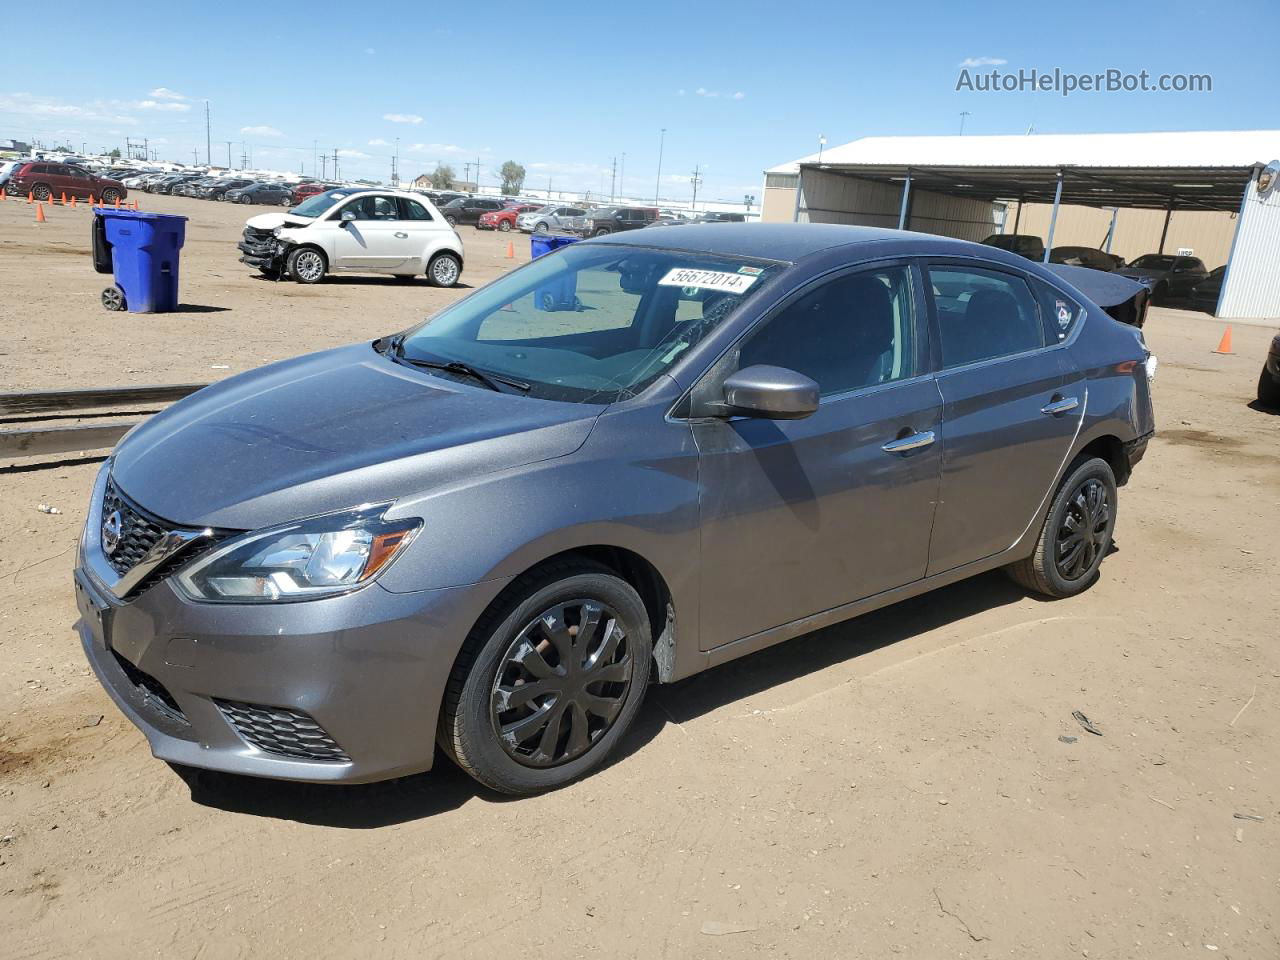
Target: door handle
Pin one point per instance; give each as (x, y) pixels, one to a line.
(912, 441)
(401, 234)
(1060, 406)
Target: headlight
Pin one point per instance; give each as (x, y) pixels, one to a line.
(276, 231)
(321, 557)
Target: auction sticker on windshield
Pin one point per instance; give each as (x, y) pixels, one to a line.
(706, 280)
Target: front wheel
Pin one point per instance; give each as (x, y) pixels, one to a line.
(603, 232)
(306, 265)
(451, 221)
(1076, 534)
(444, 270)
(245, 198)
(548, 682)
(110, 195)
(504, 226)
(541, 227)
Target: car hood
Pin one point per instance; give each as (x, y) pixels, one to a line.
(269, 221)
(329, 431)
(1138, 272)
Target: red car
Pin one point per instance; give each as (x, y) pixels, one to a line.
(505, 219)
(45, 180)
(304, 190)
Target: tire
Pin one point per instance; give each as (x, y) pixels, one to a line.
(541, 227)
(504, 226)
(510, 646)
(306, 265)
(444, 270)
(602, 232)
(245, 198)
(41, 192)
(451, 221)
(1268, 390)
(110, 195)
(1073, 572)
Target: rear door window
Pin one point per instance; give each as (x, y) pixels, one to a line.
(982, 314)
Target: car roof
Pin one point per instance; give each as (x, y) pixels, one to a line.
(784, 241)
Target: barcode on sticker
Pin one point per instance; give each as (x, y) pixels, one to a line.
(707, 280)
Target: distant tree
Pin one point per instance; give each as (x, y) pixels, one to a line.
(444, 177)
(512, 178)
(61, 150)
(115, 153)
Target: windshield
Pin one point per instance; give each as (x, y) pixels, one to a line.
(1153, 261)
(591, 323)
(314, 206)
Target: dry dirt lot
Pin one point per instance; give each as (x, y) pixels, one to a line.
(895, 785)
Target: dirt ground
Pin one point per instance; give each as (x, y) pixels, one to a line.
(896, 785)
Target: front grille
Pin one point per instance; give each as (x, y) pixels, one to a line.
(152, 690)
(284, 732)
(141, 530)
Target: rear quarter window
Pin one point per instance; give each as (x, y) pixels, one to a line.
(1058, 312)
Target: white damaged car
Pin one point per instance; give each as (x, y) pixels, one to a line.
(355, 231)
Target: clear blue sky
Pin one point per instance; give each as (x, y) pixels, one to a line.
(564, 87)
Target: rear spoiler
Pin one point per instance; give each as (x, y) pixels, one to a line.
(1122, 298)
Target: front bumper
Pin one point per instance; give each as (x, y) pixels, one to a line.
(345, 690)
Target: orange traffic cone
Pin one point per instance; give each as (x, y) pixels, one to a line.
(511, 250)
(117, 203)
(30, 196)
(39, 213)
(73, 200)
(64, 198)
(92, 202)
(1224, 345)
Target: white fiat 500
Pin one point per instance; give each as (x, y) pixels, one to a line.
(355, 231)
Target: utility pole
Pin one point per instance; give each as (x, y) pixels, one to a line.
(695, 181)
(146, 150)
(228, 154)
(657, 187)
(195, 156)
(622, 178)
(315, 165)
(613, 182)
(477, 174)
(963, 115)
(395, 165)
(208, 144)
(335, 163)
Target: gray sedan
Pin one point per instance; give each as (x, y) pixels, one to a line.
(626, 462)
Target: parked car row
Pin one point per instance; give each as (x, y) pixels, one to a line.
(1170, 279)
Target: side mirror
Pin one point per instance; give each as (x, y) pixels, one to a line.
(348, 216)
(771, 393)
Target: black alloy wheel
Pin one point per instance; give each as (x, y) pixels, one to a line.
(1076, 533)
(1084, 530)
(562, 683)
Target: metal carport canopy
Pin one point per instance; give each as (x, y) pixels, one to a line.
(1205, 170)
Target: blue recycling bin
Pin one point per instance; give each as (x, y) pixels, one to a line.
(559, 294)
(144, 249)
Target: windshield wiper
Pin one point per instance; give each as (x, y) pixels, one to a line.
(395, 349)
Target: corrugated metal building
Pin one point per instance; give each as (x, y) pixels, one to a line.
(1210, 191)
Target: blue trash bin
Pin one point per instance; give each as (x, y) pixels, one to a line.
(144, 249)
(560, 294)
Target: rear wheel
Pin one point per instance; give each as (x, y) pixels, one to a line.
(306, 265)
(113, 299)
(1268, 390)
(41, 191)
(548, 682)
(1076, 534)
(444, 270)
